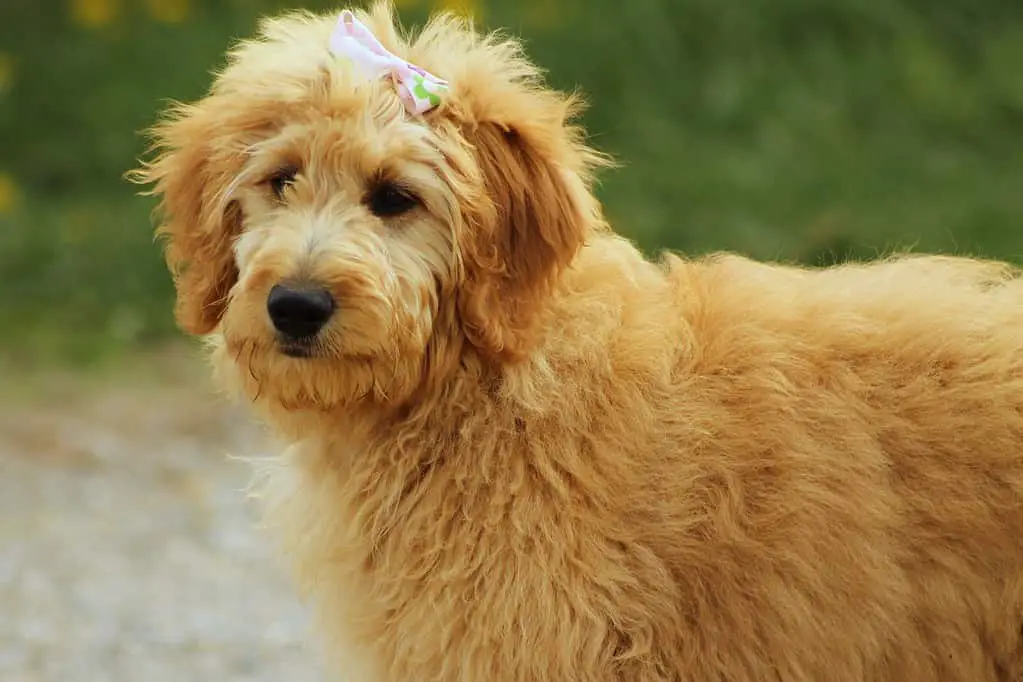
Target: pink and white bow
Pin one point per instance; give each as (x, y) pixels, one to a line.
(418, 89)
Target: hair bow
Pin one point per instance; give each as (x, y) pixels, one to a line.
(418, 89)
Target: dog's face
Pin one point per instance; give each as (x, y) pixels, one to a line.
(340, 249)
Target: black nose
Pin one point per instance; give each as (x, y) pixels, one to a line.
(299, 313)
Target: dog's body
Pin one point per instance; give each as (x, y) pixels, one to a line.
(520, 452)
(727, 472)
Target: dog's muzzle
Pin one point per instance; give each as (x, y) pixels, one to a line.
(299, 314)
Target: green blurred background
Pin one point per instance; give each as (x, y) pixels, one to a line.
(800, 130)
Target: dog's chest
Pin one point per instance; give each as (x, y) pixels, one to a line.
(408, 562)
(379, 560)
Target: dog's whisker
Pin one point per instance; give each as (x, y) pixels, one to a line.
(250, 364)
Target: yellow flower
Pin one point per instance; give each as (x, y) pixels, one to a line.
(8, 193)
(94, 13)
(6, 72)
(467, 8)
(169, 11)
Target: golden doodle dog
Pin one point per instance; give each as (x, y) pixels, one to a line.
(521, 452)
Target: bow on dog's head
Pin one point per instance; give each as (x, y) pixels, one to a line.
(418, 89)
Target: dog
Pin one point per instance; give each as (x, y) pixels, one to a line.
(520, 451)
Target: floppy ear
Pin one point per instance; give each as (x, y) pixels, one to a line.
(527, 207)
(535, 218)
(191, 175)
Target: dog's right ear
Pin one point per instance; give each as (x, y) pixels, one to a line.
(525, 196)
(191, 174)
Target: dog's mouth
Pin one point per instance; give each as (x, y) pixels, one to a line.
(296, 348)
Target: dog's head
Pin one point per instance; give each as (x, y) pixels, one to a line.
(339, 248)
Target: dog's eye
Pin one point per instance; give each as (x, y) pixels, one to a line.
(388, 199)
(281, 180)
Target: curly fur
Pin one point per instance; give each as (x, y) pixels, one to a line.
(523, 453)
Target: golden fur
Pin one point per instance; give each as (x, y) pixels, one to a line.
(524, 453)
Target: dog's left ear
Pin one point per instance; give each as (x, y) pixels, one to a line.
(197, 161)
(535, 216)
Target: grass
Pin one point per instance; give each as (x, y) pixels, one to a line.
(81, 280)
(799, 130)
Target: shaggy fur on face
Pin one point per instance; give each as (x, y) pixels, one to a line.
(520, 452)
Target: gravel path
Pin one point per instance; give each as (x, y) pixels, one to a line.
(127, 546)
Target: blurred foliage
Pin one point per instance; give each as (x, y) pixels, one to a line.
(805, 130)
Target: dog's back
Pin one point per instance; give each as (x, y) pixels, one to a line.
(847, 503)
